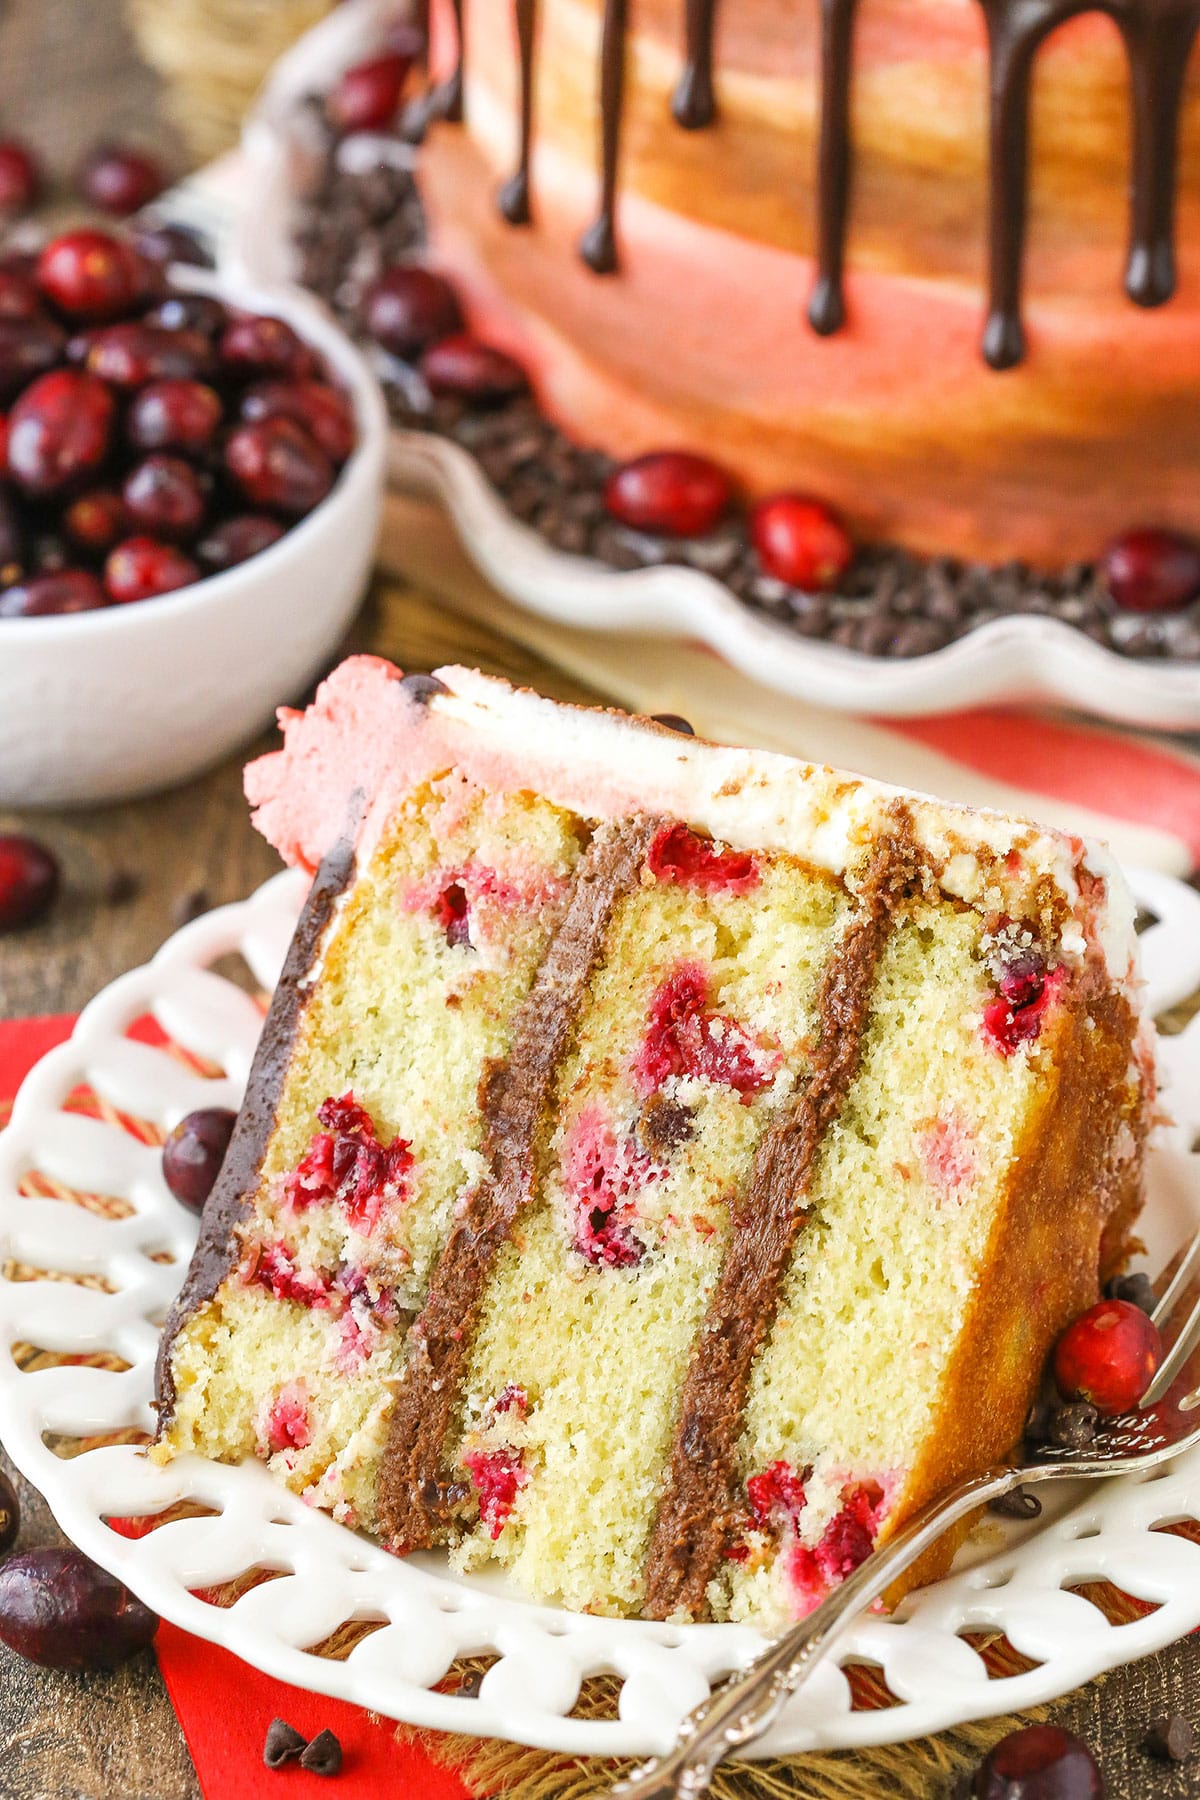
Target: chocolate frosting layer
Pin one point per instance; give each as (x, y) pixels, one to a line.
(698, 1506)
(417, 1495)
(230, 1202)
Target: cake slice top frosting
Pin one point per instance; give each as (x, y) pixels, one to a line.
(372, 736)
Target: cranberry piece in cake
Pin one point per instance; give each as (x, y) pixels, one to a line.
(1040, 1762)
(453, 913)
(673, 492)
(800, 541)
(499, 1476)
(59, 430)
(678, 854)
(408, 308)
(29, 880)
(777, 1492)
(1108, 1356)
(346, 1163)
(287, 1424)
(1149, 571)
(684, 1037)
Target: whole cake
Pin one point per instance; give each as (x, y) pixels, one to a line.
(665, 1165)
(871, 251)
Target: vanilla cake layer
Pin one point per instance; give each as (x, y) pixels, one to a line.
(666, 1165)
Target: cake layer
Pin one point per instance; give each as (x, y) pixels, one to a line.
(667, 1165)
(698, 339)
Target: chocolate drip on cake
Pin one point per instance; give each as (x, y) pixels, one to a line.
(699, 1497)
(598, 247)
(1159, 45)
(230, 1202)
(826, 308)
(694, 103)
(513, 198)
(417, 1496)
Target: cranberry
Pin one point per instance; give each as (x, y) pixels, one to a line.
(367, 96)
(163, 496)
(1040, 1762)
(96, 520)
(235, 540)
(20, 177)
(63, 591)
(28, 347)
(130, 355)
(465, 366)
(777, 1492)
(259, 345)
(90, 275)
(120, 180)
(1108, 1356)
(322, 410)
(1150, 571)
(28, 881)
(142, 567)
(172, 244)
(681, 855)
(19, 298)
(669, 491)
(800, 541)
(498, 1477)
(10, 1514)
(189, 312)
(408, 308)
(276, 464)
(684, 1037)
(173, 415)
(193, 1154)
(63, 1611)
(59, 429)
(346, 1163)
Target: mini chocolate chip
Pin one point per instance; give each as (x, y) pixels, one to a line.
(673, 722)
(1020, 1504)
(190, 905)
(323, 1756)
(470, 1686)
(422, 688)
(1137, 1289)
(1170, 1739)
(284, 1744)
(1073, 1427)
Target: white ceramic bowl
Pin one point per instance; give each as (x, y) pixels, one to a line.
(110, 704)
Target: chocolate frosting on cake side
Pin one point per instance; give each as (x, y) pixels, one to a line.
(229, 1203)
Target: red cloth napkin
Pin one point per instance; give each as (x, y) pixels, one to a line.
(223, 1705)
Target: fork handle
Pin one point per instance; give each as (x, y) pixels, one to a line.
(750, 1704)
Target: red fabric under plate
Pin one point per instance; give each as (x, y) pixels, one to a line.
(223, 1705)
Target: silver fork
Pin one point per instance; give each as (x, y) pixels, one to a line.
(749, 1704)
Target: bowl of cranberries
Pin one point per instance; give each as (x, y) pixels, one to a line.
(191, 474)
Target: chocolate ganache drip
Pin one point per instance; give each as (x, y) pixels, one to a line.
(598, 246)
(694, 104)
(827, 307)
(513, 198)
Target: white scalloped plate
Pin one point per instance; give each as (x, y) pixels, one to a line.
(1008, 1579)
(1020, 659)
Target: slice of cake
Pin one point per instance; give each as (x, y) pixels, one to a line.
(665, 1165)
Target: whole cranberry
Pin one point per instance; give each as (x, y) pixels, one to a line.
(174, 415)
(1152, 571)
(143, 567)
(323, 411)
(163, 496)
(1108, 1356)
(28, 881)
(131, 354)
(90, 275)
(1041, 1762)
(277, 465)
(119, 180)
(367, 96)
(19, 298)
(60, 1609)
(235, 540)
(407, 308)
(172, 244)
(260, 345)
(466, 366)
(800, 541)
(96, 521)
(10, 1515)
(20, 177)
(62, 591)
(28, 347)
(669, 491)
(194, 1152)
(189, 312)
(59, 429)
